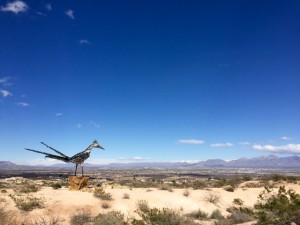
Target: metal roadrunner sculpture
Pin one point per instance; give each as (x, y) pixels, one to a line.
(79, 158)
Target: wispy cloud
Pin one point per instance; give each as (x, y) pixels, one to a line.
(59, 114)
(191, 141)
(84, 42)
(48, 7)
(5, 93)
(290, 148)
(22, 104)
(133, 159)
(94, 124)
(244, 143)
(78, 125)
(70, 14)
(5, 81)
(285, 138)
(15, 7)
(219, 145)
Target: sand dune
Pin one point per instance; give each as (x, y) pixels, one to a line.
(63, 202)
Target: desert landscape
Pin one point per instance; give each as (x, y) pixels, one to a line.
(144, 197)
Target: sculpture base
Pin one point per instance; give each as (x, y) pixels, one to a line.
(77, 183)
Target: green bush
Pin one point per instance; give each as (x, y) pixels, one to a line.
(126, 196)
(162, 217)
(238, 201)
(110, 218)
(198, 184)
(28, 203)
(216, 214)
(198, 214)
(105, 205)
(229, 188)
(100, 193)
(142, 205)
(81, 217)
(278, 208)
(56, 185)
(27, 188)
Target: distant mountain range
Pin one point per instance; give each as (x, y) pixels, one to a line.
(270, 161)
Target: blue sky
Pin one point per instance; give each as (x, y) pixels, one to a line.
(150, 80)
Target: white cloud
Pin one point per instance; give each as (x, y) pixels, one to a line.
(5, 81)
(191, 142)
(70, 14)
(23, 104)
(94, 124)
(15, 7)
(244, 143)
(133, 159)
(59, 114)
(290, 148)
(285, 138)
(78, 125)
(48, 6)
(84, 42)
(218, 145)
(5, 93)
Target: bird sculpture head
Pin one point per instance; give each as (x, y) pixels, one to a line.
(96, 145)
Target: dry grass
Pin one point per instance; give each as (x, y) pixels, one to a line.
(212, 198)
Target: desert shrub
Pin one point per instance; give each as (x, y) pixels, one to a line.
(278, 208)
(56, 185)
(212, 198)
(142, 205)
(80, 218)
(198, 214)
(126, 196)
(220, 183)
(105, 205)
(100, 193)
(198, 184)
(3, 191)
(229, 188)
(292, 179)
(253, 185)
(28, 203)
(147, 184)
(165, 187)
(278, 177)
(247, 178)
(162, 217)
(238, 201)
(216, 214)
(238, 215)
(186, 193)
(27, 188)
(110, 218)
(45, 220)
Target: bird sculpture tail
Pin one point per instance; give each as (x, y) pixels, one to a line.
(48, 155)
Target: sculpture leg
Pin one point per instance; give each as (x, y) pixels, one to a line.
(76, 169)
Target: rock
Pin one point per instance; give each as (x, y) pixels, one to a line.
(77, 183)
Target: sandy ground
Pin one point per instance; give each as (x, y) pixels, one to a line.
(63, 202)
